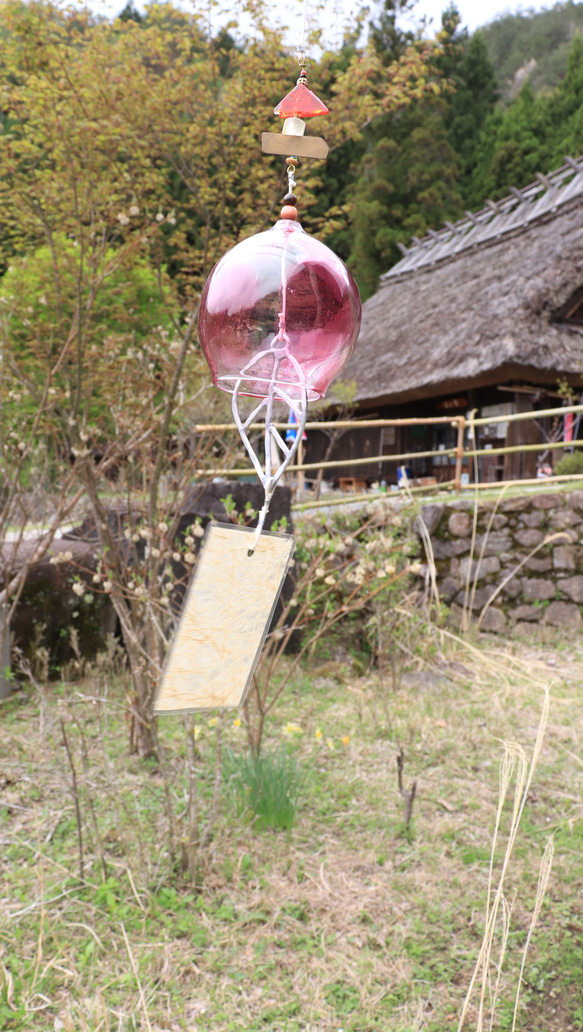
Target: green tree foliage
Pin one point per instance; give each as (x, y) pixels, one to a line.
(532, 134)
(533, 42)
(414, 161)
(467, 66)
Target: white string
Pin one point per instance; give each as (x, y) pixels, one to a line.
(302, 43)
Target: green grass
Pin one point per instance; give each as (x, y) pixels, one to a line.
(338, 921)
(268, 786)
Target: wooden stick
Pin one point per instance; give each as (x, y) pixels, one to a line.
(75, 792)
(137, 977)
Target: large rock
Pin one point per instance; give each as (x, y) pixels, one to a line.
(499, 521)
(532, 519)
(546, 501)
(448, 588)
(480, 597)
(488, 565)
(49, 609)
(536, 589)
(573, 587)
(529, 538)
(513, 588)
(564, 615)
(564, 557)
(575, 499)
(561, 518)
(431, 515)
(514, 504)
(532, 614)
(442, 549)
(459, 524)
(496, 542)
(539, 565)
(494, 621)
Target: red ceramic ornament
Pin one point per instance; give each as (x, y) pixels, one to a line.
(300, 103)
(281, 289)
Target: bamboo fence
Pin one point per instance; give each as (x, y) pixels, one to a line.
(459, 452)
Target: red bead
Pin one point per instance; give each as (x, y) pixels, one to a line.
(300, 103)
(289, 211)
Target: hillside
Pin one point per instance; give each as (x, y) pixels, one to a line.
(532, 44)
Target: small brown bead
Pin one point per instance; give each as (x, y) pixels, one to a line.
(290, 198)
(292, 161)
(289, 212)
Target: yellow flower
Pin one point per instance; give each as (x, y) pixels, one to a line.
(292, 729)
(318, 734)
(237, 722)
(212, 721)
(346, 740)
(197, 731)
(330, 744)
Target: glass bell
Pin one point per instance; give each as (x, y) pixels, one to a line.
(279, 308)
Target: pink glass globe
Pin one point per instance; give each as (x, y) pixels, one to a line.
(279, 292)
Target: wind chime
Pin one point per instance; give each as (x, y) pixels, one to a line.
(279, 318)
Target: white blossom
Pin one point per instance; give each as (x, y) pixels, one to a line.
(79, 589)
(134, 210)
(189, 557)
(123, 219)
(107, 585)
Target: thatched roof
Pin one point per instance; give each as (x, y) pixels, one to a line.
(480, 302)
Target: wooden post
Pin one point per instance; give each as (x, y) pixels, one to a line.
(301, 481)
(459, 453)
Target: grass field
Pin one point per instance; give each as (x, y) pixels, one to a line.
(350, 921)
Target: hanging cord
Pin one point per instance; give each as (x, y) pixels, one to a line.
(302, 44)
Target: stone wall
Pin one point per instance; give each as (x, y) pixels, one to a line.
(544, 588)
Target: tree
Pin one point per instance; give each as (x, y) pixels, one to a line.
(466, 65)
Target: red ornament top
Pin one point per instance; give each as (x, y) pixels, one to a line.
(300, 103)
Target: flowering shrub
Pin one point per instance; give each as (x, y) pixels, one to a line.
(345, 566)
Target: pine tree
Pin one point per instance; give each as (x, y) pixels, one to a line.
(566, 108)
(409, 172)
(474, 98)
(514, 146)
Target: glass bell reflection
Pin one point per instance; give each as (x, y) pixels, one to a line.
(279, 310)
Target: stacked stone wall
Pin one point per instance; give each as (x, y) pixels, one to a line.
(531, 544)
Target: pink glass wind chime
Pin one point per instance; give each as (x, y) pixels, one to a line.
(279, 318)
(280, 312)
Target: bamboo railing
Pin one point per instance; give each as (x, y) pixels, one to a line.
(459, 452)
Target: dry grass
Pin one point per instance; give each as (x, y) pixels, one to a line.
(349, 922)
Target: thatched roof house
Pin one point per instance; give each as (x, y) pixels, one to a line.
(495, 298)
(485, 315)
